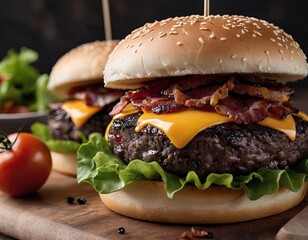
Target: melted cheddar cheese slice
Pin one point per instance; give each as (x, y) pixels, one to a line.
(181, 127)
(79, 111)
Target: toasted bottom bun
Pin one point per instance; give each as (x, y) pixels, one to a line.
(64, 162)
(147, 200)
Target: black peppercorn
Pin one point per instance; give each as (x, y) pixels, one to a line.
(121, 230)
(70, 199)
(81, 200)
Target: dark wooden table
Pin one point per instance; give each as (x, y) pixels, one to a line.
(47, 215)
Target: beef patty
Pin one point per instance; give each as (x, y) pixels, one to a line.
(61, 126)
(224, 148)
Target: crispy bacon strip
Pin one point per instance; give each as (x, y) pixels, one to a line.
(222, 92)
(202, 97)
(241, 101)
(280, 110)
(192, 82)
(118, 108)
(273, 95)
(243, 111)
(95, 95)
(161, 105)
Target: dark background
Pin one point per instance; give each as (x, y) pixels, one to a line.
(52, 27)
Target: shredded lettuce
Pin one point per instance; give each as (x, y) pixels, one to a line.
(102, 169)
(62, 146)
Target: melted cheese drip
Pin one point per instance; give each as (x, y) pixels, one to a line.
(79, 111)
(128, 110)
(181, 127)
(287, 125)
(302, 115)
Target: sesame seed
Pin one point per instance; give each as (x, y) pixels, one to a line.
(279, 44)
(179, 43)
(244, 59)
(225, 27)
(220, 60)
(272, 39)
(258, 33)
(233, 56)
(151, 39)
(212, 35)
(223, 39)
(162, 34)
(139, 44)
(276, 32)
(238, 35)
(203, 28)
(201, 40)
(254, 35)
(173, 33)
(267, 52)
(136, 36)
(243, 32)
(127, 46)
(280, 51)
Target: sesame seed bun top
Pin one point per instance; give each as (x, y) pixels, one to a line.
(205, 45)
(82, 65)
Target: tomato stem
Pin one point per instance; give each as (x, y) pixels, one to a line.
(5, 143)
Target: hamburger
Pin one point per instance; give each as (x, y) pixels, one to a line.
(85, 103)
(206, 132)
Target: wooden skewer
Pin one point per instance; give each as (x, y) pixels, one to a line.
(206, 8)
(107, 22)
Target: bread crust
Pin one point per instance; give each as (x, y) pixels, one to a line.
(64, 162)
(204, 45)
(82, 65)
(147, 200)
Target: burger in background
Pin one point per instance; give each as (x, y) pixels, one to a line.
(207, 133)
(76, 79)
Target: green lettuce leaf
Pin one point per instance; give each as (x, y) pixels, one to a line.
(62, 146)
(22, 80)
(98, 166)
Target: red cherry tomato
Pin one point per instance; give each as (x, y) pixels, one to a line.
(25, 163)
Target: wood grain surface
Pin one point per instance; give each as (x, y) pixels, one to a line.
(47, 215)
(296, 228)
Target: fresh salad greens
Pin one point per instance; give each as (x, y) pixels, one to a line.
(101, 168)
(21, 84)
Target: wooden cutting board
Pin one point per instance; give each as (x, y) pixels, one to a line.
(296, 228)
(47, 215)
